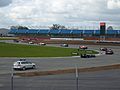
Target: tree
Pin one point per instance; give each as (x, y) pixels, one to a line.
(22, 27)
(57, 27)
(19, 27)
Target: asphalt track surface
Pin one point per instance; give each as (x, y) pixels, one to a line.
(59, 63)
(105, 80)
(102, 80)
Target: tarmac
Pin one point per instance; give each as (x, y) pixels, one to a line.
(61, 63)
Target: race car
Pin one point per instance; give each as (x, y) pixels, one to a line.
(83, 47)
(103, 49)
(64, 45)
(42, 44)
(109, 52)
(88, 56)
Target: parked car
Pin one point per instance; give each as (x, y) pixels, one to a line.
(64, 45)
(22, 64)
(83, 47)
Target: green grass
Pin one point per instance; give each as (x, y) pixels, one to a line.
(7, 38)
(17, 50)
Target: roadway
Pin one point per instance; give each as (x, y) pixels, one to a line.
(45, 64)
(102, 80)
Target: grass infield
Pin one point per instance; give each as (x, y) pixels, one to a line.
(7, 38)
(18, 50)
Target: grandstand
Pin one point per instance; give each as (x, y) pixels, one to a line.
(61, 31)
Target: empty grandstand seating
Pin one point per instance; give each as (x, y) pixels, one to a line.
(43, 31)
(111, 32)
(65, 31)
(77, 31)
(88, 32)
(54, 31)
(21, 31)
(97, 32)
(62, 31)
(13, 31)
(32, 31)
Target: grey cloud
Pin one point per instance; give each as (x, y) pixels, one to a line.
(4, 3)
(63, 11)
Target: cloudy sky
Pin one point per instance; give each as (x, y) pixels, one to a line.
(65, 12)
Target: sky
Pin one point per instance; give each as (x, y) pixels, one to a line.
(64, 12)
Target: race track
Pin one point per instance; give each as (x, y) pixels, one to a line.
(45, 64)
(100, 80)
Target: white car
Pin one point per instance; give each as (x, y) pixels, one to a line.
(23, 65)
(64, 45)
(42, 43)
(30, 43)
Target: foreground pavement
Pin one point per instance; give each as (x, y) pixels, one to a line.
(102, 80)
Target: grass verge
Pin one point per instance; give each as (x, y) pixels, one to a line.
(18, 50)
(8, 38)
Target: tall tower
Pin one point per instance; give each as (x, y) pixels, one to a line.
(102, 31)
(102, 28)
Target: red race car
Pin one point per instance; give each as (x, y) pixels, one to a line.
(83, 47)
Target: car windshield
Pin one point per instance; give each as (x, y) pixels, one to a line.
(26, 63)
(23, 62)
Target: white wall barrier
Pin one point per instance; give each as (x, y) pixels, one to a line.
(74, 39)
